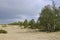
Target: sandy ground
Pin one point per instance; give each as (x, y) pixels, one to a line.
(16, 33)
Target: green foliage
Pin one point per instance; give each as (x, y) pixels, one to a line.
(25, 23)
(14, 23)
(3, 31)
(48, 18)
(32, 23)
(20, 23)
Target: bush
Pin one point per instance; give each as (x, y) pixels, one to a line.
(3, 31)
(57, 29)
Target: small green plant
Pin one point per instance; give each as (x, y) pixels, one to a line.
(3, 31)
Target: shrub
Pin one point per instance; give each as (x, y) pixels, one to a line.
(3, 31)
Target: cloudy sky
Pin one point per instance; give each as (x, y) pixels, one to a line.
(19, 10)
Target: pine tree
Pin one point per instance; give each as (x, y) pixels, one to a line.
(25, 23)
(47, 18)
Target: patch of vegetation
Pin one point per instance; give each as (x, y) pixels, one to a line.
(14, 23)
(3, 31)
(25, 23)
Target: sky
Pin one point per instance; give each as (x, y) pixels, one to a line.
(19, 10)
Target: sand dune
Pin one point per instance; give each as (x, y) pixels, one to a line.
(16, 33)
